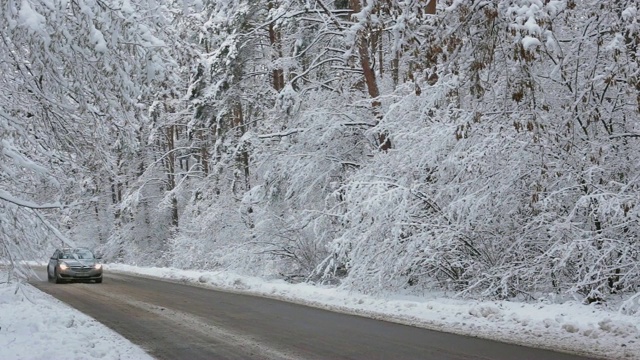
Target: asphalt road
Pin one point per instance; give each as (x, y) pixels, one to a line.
(178, 321)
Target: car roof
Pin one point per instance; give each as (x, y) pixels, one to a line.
(74, 249)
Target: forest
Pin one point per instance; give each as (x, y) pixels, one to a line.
(490, 149)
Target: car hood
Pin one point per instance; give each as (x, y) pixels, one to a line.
(80, 262)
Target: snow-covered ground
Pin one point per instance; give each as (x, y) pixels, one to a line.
(36, 326)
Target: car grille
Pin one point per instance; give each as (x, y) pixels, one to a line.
(81, 269)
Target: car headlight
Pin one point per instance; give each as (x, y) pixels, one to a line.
(97, 266)
(63, 266)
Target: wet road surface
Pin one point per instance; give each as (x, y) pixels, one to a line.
(171, 320)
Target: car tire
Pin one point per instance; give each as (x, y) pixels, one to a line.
(55, 277)
(49, 278)
(99, 281)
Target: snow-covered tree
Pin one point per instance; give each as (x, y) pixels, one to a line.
(484, 147)
(73, 76)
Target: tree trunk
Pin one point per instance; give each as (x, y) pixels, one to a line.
(384, 143)
(274, 39)
(171, 177)
(431, 7)
(204, 153)
(243, 156)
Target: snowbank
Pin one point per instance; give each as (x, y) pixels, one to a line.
(34, 325)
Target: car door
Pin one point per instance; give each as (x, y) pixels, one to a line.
(53, 261)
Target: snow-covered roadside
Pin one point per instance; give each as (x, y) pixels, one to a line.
(570, 326)
(34, 325)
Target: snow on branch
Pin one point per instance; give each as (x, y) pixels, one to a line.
(28, 204)
(280, 134)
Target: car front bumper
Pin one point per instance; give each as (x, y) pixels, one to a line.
(80, 274)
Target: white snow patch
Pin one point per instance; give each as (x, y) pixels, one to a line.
(532, 26)
(30, 18)
(529, 42)
(98, 40)
(126, 7)
(34, 325)
(555, 6)
(630, 13)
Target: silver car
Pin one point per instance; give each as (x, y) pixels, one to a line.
(74, 264)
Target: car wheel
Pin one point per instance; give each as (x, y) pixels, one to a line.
(55, 277)
(99, 281)
(49, 278)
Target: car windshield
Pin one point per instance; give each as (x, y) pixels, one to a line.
(76, 254)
